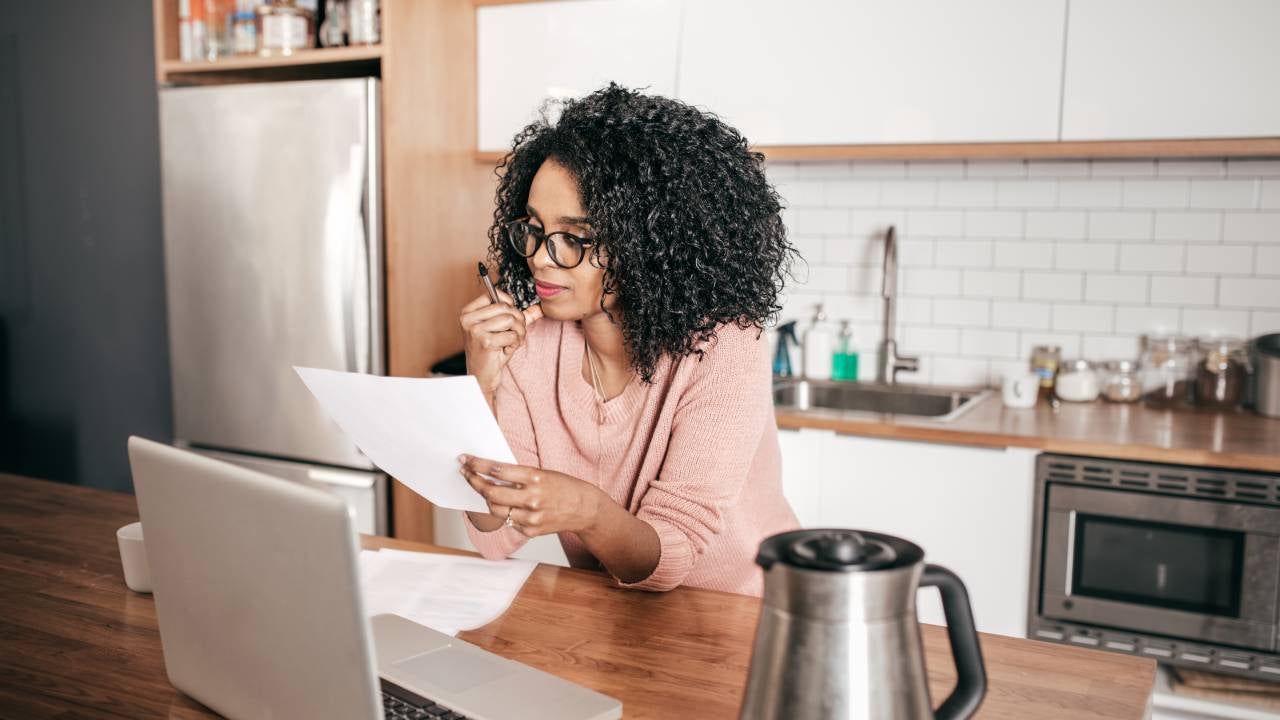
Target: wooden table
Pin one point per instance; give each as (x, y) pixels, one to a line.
(75, 643)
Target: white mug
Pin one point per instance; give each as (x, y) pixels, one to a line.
(1020, 391)
(133, 558)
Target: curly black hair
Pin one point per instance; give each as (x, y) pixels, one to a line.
(688, 226)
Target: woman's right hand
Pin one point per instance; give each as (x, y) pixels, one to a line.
(493, 332)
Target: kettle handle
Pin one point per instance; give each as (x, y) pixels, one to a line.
(971, 674)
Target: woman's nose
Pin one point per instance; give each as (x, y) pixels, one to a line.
(542, 256)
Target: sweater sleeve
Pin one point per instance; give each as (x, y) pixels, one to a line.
(517, 426)
(715, 434)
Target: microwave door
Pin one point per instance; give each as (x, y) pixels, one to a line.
(1180, 567)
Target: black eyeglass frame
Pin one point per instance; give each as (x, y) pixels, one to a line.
(541, 236)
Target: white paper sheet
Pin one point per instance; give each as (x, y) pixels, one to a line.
(448, 593)
(415, 428)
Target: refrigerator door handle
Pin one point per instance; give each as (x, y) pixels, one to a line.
(356, 289)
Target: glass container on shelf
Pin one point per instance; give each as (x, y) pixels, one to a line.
(1077, 381)
(1221, 373)
(1045, 360)
(244, 28)
(333, 30)
(1121, 381)
(1168, 373)
(284, 27)
(363, 25)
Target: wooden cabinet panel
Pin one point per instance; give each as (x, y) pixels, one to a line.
(837, 72)
(533, 51)
(1172, 69)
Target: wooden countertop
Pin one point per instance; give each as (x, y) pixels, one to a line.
(1239, 440)
(78, 643)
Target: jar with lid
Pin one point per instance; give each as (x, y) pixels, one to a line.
(284, 27)
(1044, 363)
(1077, 381)
(1168, 370)
(1121, 381)
(1221, 373)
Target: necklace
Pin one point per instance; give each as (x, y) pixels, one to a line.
(595, 383)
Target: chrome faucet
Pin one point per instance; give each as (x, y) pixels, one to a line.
(889, 361)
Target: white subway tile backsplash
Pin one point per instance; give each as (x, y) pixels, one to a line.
(992, 283)
(935, 223)
(998, 256)
(962, 253)
(962, 312)
(1147, 320)
(931, 340)
(1188, 226)
(1249, 292)
(1056, 224)
(1083, 318)
(931, 282)
(908, 193)
(1267, 261)
(993, 223)
(976, 342)
(1220, 259)
(1089, 193)
(1085, 256)
(1224, 194)
(1155, 193)
(1052, 286)
(1264, 322)
(1203, 323)
(1263, 227)
(1023, 254)
(1111, 347)
(1001, 369)
(1020, 315)
(1124, 168)
(1151, 258)
(1099, 287)
(1184, 291)
(966, 193)
(1106, 225)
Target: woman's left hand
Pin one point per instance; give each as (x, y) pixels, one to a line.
(542, 502)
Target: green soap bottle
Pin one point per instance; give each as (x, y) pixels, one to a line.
(844, 361)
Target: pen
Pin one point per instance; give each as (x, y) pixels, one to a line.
(488, 284)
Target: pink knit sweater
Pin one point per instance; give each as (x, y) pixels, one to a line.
(694, 455)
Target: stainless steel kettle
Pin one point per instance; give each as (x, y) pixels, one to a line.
(838, 635)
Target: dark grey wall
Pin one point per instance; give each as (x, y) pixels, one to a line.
(83, 351)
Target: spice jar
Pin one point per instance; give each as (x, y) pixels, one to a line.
(284, 28)
(1076, 382)
(1221, 373)
(1121, 381)
(1168, 370)
(1044, 363)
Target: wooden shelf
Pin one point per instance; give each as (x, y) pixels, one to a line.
(1112, 149)
(310, 63)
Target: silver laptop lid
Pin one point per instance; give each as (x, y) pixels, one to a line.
(256, 589)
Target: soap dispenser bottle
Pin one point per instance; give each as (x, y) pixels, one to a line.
(844, 361)
(817, 347)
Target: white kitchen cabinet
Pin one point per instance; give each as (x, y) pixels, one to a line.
(969, 508)
(529, 52)
(825, 72)
(1172, 69)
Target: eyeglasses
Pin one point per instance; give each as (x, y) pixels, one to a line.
(566, 249)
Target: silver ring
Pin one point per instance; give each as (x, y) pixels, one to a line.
(508, 522)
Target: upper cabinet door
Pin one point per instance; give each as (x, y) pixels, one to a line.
(831, 72)
(527, 53)
(1172, 69)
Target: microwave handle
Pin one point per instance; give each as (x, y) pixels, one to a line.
(966, 652)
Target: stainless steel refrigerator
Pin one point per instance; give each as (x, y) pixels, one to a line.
(273, 258)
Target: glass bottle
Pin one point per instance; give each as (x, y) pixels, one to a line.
(333, 31)
(844, 360)
(1045, 360)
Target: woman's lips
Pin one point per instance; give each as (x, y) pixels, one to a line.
(546, 290)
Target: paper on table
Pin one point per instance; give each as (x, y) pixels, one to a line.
(415, 428)
(448, 593)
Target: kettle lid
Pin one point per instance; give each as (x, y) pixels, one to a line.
(838, 550)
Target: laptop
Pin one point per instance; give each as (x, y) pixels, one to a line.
(257, 595)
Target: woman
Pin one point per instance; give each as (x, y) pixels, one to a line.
(636, 394)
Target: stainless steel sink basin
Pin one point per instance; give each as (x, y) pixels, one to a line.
(934, 403)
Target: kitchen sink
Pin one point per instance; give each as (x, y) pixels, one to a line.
(934, 403)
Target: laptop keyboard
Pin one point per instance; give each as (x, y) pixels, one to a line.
(404, 705)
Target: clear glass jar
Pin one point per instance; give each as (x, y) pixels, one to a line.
(1077, 381)
(1222, 373)
(1045, 360)
(284, 28)
(1168, 370)
(1121, 380)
